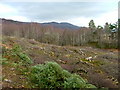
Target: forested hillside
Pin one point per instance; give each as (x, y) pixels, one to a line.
(102, 37)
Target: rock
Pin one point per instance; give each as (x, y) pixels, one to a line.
(61, 61)
(42, 48)
(82, 70)
(94, 57)
(14, 74)
(12, 69)
(70, 51)
(32, 41)
(89, 58)
(22, 86)
(7, 80)
(67, 55)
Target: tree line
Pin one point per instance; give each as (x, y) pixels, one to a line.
(103, 37)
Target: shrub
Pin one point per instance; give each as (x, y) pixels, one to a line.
(3, 60)
(75, 81)
(17, 51)
(51, 75)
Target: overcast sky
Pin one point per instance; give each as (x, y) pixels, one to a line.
(77, 13)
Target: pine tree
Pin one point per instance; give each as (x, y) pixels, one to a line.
(92, 25)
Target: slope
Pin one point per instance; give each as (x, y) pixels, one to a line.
(98, 66)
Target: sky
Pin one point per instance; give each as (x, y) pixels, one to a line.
(78, 12)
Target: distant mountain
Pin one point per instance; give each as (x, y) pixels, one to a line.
(63, 25)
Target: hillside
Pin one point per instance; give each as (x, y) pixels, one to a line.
(97, 66)
(62, 25)
(102, 37)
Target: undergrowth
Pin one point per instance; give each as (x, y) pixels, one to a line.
(51, 75)
(48, 75)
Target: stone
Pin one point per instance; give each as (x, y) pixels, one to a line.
(7, 80)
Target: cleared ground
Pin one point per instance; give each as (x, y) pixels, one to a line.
(98, 66)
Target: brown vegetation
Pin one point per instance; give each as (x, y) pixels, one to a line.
(95, 36)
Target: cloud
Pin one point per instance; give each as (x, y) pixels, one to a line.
(110, 17)
(60, 0)
(9, 12)
(18, 18)
(78, 13)
(119, 10)
(6, 9)
(54, 11)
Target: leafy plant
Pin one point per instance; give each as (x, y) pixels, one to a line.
(3, 60)
(51, 75)
(17, 50)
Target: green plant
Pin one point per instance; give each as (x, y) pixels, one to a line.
(51, 75)
(14, 64)
(4, 60)
(17, 50)
(75, 81)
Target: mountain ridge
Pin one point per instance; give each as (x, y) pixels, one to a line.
(61, 25)
(64, 25)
